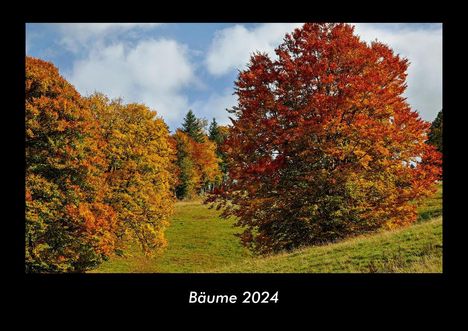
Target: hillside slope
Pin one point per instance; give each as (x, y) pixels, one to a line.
(200, 241)
(414, 249)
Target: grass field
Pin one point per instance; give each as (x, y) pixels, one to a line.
(199, 241)
(431, 207)
(414, 249)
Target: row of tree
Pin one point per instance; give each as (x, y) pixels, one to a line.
(100, 172)
(200, 160)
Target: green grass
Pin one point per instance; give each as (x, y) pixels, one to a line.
(431, 207)
(199, 241)
(414, 249)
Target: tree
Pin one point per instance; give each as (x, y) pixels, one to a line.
(194, 126)
(139, 174)
(323, 144)
(97, 172)
(69, 227)
(207, 163)
(218, 135)
(435, 132)
(188, 176)
(197, 163)
(213, 131)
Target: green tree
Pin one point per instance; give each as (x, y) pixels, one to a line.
(194, 126)
(218, 135)
(213, 131)
(187, 175)
(435, 132)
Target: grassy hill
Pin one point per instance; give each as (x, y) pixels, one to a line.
(414, 249)
(199, 241)
(431, 207)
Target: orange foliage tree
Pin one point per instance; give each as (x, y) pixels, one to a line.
(97, 173)
(69, 227)
(197, 162)
(139, 173)
(207, 162)
(323, 144)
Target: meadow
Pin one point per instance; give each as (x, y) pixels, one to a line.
(197, 240)
(417, 249)
(200, 241)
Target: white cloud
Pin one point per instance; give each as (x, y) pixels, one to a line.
(78, 35)
(423, 48)
(231, 47)
(152, 72)
(114, 59)
(215, 106)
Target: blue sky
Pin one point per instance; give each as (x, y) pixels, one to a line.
(174, 67)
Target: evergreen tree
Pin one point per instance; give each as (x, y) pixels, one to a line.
(213, 132)
(194, 126)
(435, 133)
(218, 134)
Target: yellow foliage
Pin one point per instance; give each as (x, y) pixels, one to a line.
(139, 175)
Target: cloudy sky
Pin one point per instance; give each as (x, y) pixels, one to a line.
(174, 67)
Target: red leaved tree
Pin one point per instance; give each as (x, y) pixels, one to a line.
(323, 144)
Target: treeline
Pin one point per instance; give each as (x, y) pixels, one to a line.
(100, 172)
(200, 161)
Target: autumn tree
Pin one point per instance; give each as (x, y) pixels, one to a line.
(323, 144)
(139, 173)
(207, 162)
(435, 132)
(69, 226)
(198, 165)
(194, 126)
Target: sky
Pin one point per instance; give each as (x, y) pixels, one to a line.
(174, 67)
